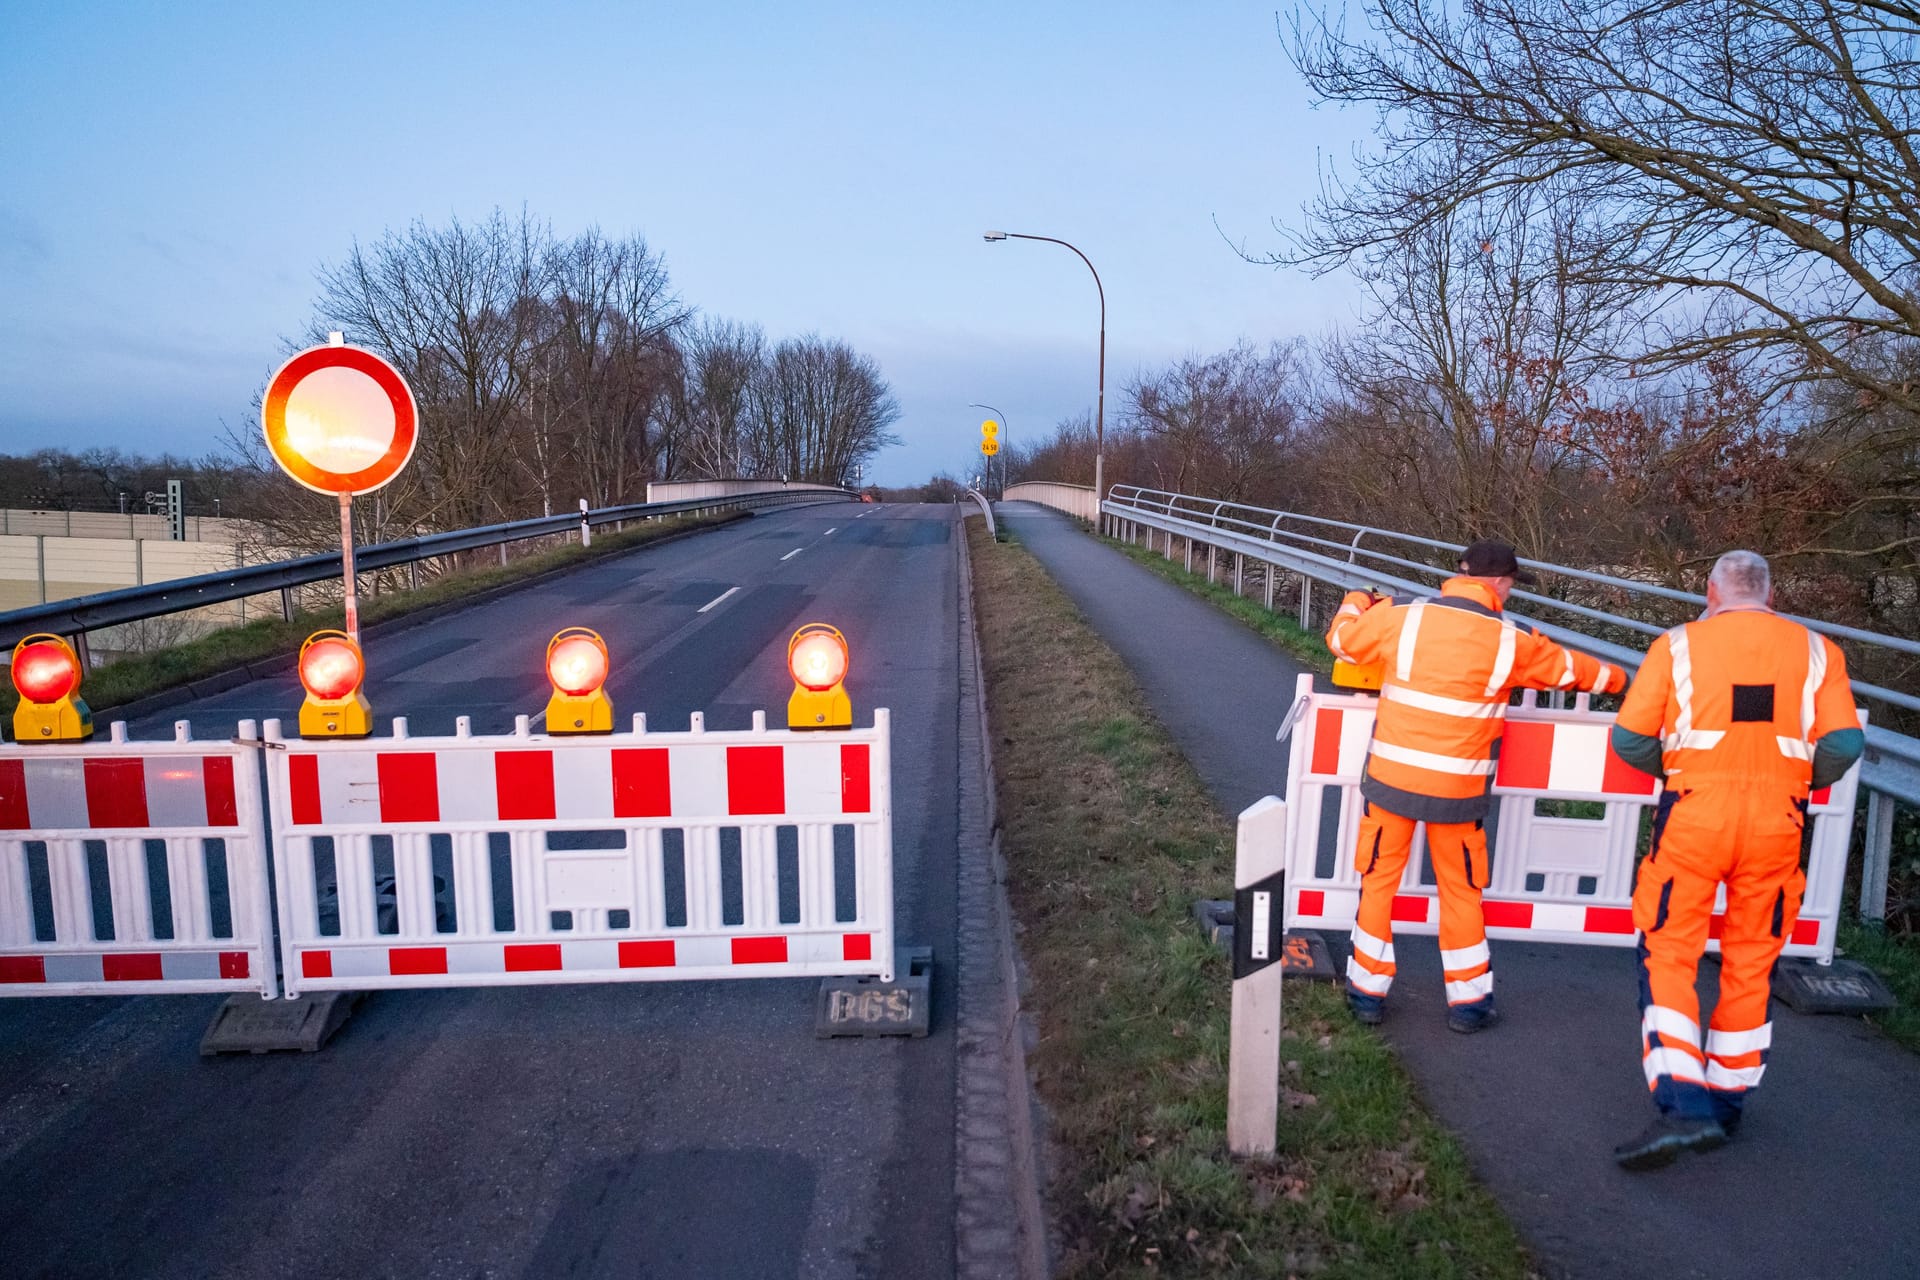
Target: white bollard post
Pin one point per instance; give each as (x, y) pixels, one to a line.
(1259, 912)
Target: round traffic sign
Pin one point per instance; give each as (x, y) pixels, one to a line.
(989, 428)
(989, 445)
(339, 420)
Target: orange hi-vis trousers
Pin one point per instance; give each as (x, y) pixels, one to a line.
(1459, 852)
(1747, 836)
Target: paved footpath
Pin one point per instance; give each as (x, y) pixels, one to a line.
(1825, 1177)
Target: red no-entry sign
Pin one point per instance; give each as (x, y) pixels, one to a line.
(339, 420)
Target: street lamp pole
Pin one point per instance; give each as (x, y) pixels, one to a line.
(1100, 405)
(1003, 445)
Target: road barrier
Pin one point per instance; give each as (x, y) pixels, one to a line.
(133, 868)
(1556, 876)
(494, 861)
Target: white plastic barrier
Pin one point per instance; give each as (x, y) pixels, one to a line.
(499, 861)
(132, 868)
(1555, 878)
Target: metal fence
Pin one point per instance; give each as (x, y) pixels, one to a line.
(77, 616)
(1315, 550)
(1074, 499)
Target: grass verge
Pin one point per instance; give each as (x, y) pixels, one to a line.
(1897, 959)
(115, 684)
(1283, 631)
(1109, 837)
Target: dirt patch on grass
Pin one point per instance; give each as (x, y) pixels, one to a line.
(1109, 837)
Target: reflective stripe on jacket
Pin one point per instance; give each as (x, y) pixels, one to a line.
(1450, 664)
(1740, 697)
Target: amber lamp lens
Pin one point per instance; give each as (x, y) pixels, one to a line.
(819, 662)
(330, 669)
(577, 666)
(45, 672)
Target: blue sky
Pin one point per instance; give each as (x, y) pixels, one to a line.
(171, 176)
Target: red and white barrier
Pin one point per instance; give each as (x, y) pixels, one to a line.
(133, 868)
(629, 857)
(1554, 878)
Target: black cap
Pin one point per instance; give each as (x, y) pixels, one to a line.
(1489, 558)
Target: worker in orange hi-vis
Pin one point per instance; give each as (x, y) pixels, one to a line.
(1449, 665)
(1744, 712)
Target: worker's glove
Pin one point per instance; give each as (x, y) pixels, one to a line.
(1361, 600)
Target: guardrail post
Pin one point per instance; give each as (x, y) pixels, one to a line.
(286, 604)
(1239, 573)
(413, 575)
(1213, 557)
(1266, 575)
(503, 555)
(1876, 855)
(1189, 541)
(1306, 603)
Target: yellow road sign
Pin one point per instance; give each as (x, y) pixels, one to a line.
(989, 446)
(989, 428)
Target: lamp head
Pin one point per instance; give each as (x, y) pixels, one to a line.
(995, 235)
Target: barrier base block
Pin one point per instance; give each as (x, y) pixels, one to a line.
(248, 1024)
(870, 1007)
(1845, 986)
(1306, 954)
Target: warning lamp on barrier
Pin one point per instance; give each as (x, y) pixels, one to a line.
(332, 670)
(817, 657)
(577, 667)
(46, 672)
(1347, 675)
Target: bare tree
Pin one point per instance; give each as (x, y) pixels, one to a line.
(713, 396)
(819, 409)
(1757, 155)
(450, 307)
(1220, 421)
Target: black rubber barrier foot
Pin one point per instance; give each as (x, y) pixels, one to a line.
(1845, 986)
(248, 1024)
(870, 1007)
(1304, 952)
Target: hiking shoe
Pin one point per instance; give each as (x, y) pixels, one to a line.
(1367, 1010)
(1665, 1139)
(1469, 1018)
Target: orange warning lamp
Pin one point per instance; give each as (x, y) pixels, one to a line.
(332, 668)
(46, 672)
(817, 657)
(1347, 675)
(577, 667)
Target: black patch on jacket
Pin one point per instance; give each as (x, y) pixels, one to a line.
(1753, 704)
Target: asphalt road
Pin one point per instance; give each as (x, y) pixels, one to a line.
(654, 1129)
(1822, 1179)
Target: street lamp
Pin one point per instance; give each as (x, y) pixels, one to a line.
(1003, 449)
(1100, 405)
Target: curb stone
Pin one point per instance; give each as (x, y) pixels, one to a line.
(1000, 1227)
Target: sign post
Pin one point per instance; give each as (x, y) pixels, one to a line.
(340, 420)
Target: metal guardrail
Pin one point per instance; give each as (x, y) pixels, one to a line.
(986, 509)
(1075, 499)
(81, 614)
(1298, 544)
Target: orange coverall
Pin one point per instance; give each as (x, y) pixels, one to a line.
(1737, 702)
(1450, 665)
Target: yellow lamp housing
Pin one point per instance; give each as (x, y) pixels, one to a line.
(817, 658)
(46, 673)
(577, 668)
(332, 669)
(1346, 675)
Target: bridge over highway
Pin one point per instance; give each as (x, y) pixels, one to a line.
(663, 1129)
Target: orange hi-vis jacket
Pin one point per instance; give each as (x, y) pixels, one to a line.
(1451, 663)
(1740, 698)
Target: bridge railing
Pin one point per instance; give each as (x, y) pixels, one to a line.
(1343, 554)
(1076, 500)
(75, 617)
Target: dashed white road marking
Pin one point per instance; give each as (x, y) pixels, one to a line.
(791, 554)
(716, 600)
(829, 533)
